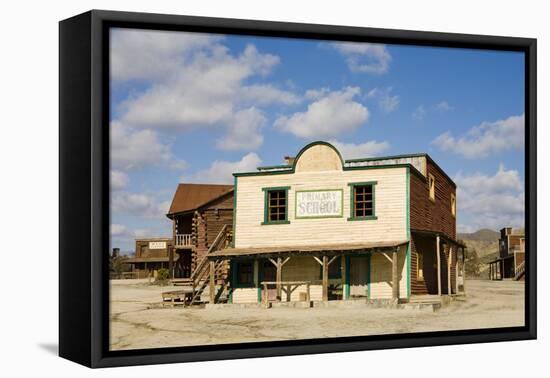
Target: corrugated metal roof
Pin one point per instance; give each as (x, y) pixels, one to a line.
(192, 196)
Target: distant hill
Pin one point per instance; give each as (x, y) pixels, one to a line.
(485, 243)
(481, 235)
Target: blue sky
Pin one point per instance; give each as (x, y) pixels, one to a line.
(196, 107)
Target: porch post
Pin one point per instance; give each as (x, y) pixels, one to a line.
(463, 271)
(279, 267)
(212, 287)
(438, 265)
(456, 271)
(325, 278)
(394, 275)
(343, 261)
(449, 265)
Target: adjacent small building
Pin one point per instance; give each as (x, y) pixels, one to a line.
(511, 256)
(151, 255)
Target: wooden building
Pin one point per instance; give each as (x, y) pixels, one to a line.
(151, 255)
(511, 256)
(198, 212)
(324, 228)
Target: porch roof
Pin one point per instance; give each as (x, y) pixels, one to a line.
(133, 260)
(308, 249)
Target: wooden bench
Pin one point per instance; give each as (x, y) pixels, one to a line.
(177, 297)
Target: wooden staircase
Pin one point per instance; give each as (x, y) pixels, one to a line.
(200, 278)
(520, 271)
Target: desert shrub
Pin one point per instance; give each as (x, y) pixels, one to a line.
(162, 274)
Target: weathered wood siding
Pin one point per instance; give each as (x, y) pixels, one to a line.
(381, 275)
(432, 215)
(245, 295)
(208, 222)
(321, 171)
(303, 268)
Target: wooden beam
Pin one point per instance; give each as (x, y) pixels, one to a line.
(318, 260)
(279, 278)
(395, 276)
(449, 261)
(344, 274)
(387, 257)
(212, 287)
(325, 278)
(332, 260)
(438, 256)
(285, 261)
(273, 261)
(464, 271)
(456, 271)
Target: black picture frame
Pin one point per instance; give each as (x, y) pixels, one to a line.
(84, 187)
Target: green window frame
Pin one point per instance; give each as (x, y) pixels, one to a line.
(276, 205)
(366, 197)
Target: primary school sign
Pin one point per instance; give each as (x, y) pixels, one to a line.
(319, 203)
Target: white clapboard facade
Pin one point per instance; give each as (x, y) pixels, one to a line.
(320, 228)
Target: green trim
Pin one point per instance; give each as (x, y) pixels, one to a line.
(408, 232)
(319, 216)
(266, 205)
(368, 274)
(386, 157)
(352, 186)
(232, 280)
(282, 166)
(235, 277)
(234, 212)
(366, 167)
(347, 280)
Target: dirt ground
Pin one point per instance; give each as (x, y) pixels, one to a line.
(137, 322)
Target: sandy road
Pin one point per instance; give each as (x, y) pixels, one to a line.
(135, 325)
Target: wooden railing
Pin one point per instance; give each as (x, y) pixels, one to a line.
(520, 270)
(184, 240)
(201, 274)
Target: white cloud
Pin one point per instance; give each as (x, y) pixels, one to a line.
(119, 180)
(386, 101)
(419, 113)
(221, 172)
(365, 57)
(152, 55)
(360, 150)
(443, 106)
(244, 132)
(208, 89)
(139, 204)
(265, 94)
(118, 229)
(135, 149)
(329, 116)
(486, 139)
(490, 201)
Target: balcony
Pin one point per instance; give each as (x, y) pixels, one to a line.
(184, 241)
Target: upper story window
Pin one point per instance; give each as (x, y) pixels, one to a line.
(276, 205)
(453, 204)
(362, 200)
(431, 185)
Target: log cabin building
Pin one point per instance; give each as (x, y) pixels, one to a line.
(510, 262)
(323, 228)
(198, 213)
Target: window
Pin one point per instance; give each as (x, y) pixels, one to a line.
(245, 273)
(276, 205)
(431, 184)
(453, 204)
(362, 201)
(419, 266)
